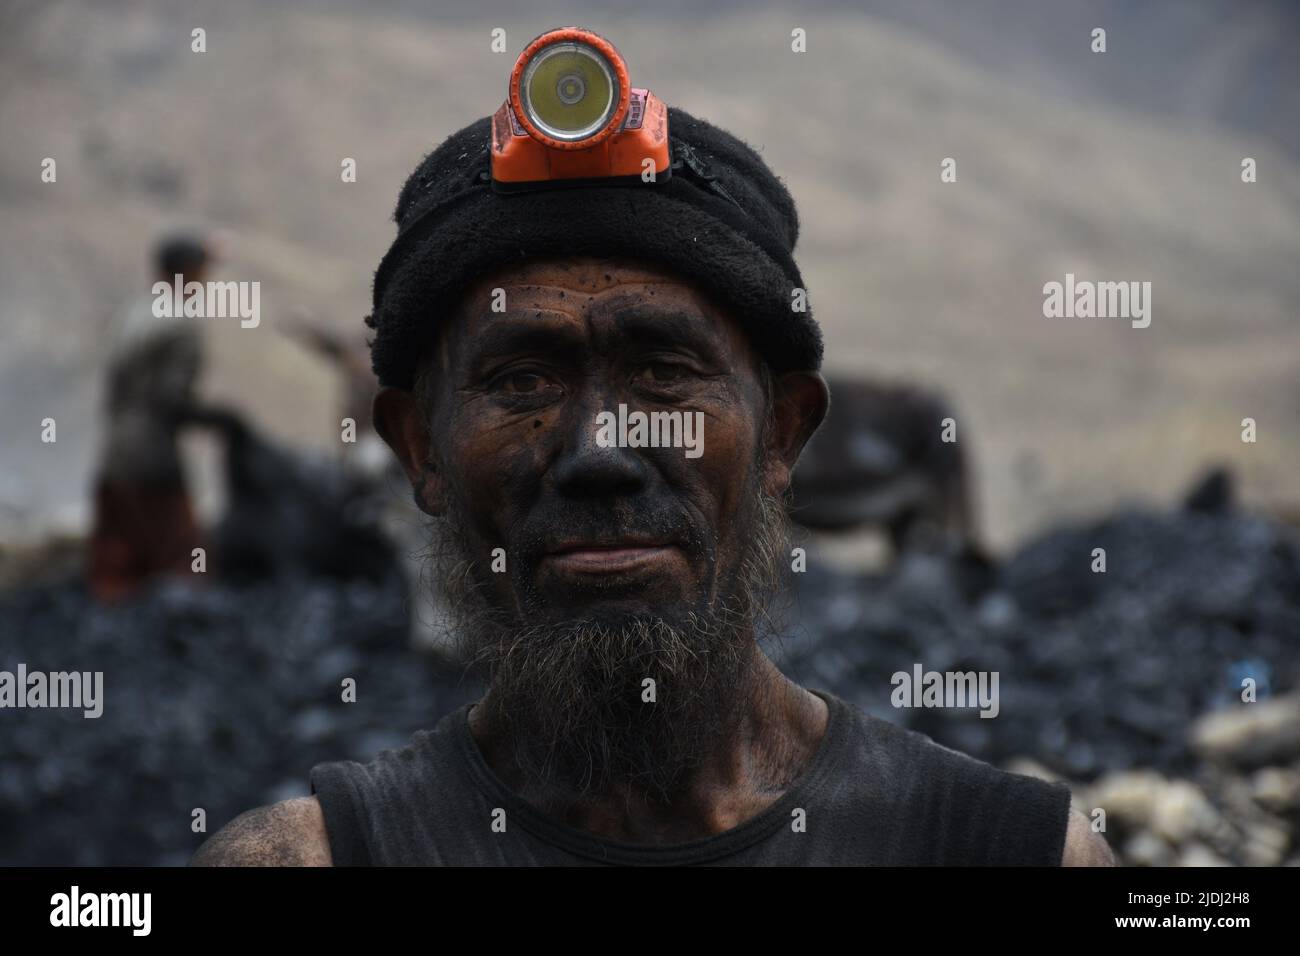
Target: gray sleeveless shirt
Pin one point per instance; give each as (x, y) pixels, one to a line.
(874, 794)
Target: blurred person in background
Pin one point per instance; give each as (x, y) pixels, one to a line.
(144, 521)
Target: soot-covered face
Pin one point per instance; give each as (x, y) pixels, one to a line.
(606, 453)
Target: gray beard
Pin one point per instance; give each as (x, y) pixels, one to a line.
(588, 707)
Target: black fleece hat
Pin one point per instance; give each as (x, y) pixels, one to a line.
(720, 218)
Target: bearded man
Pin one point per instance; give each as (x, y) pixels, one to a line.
(613, 592)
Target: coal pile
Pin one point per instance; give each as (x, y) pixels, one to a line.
(1098, 671)
(217, 698)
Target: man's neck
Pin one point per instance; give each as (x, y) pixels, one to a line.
(777, 730)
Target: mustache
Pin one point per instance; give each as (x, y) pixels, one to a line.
(558, 524)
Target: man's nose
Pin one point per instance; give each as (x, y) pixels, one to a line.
(588, 467)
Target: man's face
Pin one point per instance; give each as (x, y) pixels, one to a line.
(588, 531)
(587, 566)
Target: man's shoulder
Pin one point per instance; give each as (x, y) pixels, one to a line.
(896, 747)
(289, 833)
(924, 768)
(424, 758)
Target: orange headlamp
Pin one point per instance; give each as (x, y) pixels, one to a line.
(572, 117)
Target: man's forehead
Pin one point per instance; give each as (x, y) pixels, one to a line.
(587, 272)
(570, 296)
(571, 284)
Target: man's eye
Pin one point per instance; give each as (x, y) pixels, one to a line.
(662, 372)
(521, 383)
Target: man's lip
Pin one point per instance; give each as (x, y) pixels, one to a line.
(605, 559)
(621, 544)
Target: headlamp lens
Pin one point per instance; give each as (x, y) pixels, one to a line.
(569, 91)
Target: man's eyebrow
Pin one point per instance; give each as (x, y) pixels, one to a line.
(524, 332)
(666, 326)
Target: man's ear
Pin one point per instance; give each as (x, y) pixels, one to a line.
(799, 406)
(401, 423)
